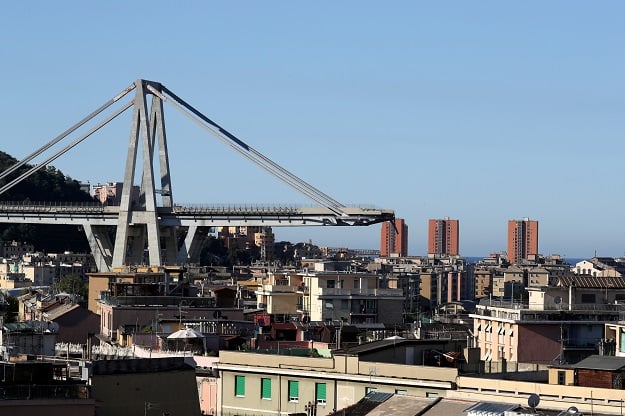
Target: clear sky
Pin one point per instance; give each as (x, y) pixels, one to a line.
(480, 111)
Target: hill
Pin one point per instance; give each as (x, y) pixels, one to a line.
(47, 184)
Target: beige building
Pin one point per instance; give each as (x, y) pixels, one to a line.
(483, 282)
(264, 384)
(41, 274)
(355, 298)
(251, 383)
(11, 278)
(282, 294)
(350, 297)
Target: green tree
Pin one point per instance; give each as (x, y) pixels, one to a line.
(74, 285)
(12, 309)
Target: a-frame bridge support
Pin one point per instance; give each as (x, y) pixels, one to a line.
(146, 232)
(140, 237)
(138, 226)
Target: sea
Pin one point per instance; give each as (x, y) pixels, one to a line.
(571, 261)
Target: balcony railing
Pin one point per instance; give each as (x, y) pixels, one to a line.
(549, 307)
(279, 289)
(361, 292)
(47, 392)
(159, 301)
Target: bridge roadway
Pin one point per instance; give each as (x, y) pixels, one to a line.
(201, 216)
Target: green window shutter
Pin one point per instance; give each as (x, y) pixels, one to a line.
(320, 392)
(239, 385)
(293, 390)
(265, 388)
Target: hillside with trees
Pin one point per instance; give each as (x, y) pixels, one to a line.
(51, 185)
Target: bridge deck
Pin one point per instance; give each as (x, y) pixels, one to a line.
(179, 215)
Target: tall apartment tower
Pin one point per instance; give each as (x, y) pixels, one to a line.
(522, 239)
(394, 240)
(443, 237)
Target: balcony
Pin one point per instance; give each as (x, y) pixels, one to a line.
(364, 312)
(197, 302)
(44, 392)
(338, 292)
(276, 289)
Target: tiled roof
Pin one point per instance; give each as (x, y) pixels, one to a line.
(601, 362)
(591, 282)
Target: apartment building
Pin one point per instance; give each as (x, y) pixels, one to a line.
(282, 294)
(148, 297)
(443, 237)
(264, 384)
(522, 239)
(394, 238)
(351, 297)
(15, 249)
(110, 193)
(12, 278)
(564, 322)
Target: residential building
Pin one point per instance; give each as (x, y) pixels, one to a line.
(443, 237)
(394, 238)
(31, 387)
(265, 240)
(615, 335)
(110, 193)
(483, 282)
(147, 298)
(264, 384)
(282, 294)
(600, 267)
(11, 277)
(15, 249)
(147, 386)
(351, 297)
(564, 322)
(598, 371)
(522, 239)
(27, 338)
(244, 238)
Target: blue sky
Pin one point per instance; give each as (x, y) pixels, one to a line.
(481, 111)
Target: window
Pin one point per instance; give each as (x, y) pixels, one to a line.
(330, 284)
(356, 284)
(293, 391)
(265, 388)
(239, 386)
(400, 392)
(320, 393)
(430, 394)
(561, 378)
(588, 298)
(370, 390)
(344, 304)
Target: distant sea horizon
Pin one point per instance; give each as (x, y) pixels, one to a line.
(569, 260)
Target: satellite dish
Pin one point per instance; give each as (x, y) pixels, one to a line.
(572, 410)
(558, 300)
(533, 400)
